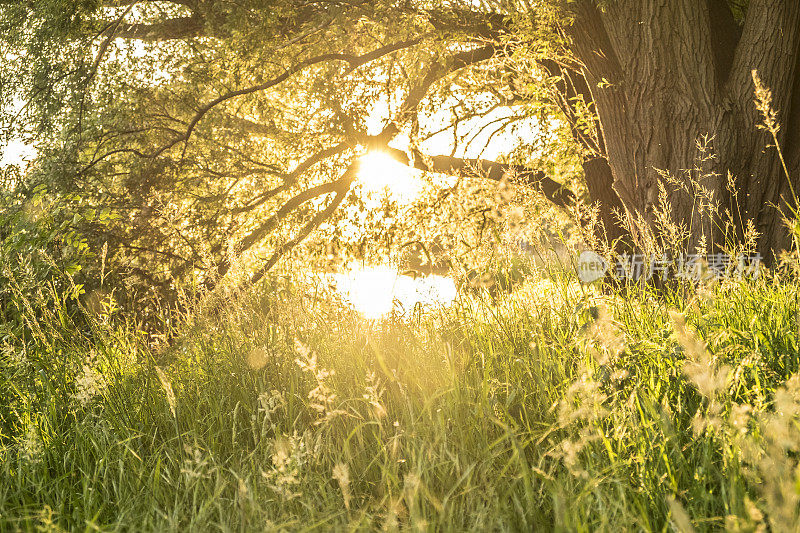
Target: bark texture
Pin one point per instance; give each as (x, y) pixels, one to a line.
(665, 74)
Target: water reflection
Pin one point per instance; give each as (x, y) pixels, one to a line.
(377, 291)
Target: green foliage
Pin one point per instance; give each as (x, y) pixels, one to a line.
(38, 242)
(127, 124)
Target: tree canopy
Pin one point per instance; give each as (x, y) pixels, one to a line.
(186, 134)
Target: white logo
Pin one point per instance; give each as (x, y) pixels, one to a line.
(591, 266)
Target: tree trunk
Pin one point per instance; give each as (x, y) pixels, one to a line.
(664, 77)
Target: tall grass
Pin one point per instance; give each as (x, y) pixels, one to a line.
(558, 408)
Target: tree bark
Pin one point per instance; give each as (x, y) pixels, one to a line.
(663, 76)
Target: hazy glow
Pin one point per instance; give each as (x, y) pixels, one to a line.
(16, 152)
(376, 291)
(379, 172)
(487, 136)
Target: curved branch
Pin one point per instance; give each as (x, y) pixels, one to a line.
(109, 32)
(291, 178)
(353, 60)
(408, 109)
(284, 211)
(314, 223)
(482, 168)
(271, 223)
(342, 186)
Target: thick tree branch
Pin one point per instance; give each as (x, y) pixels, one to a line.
(492, 170)
(314, 223)
(483, 26)
(272, 222)
(439, 70)
(291, 178)
(260, 232)
(479, 168)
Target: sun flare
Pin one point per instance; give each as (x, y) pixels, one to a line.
(380, 172)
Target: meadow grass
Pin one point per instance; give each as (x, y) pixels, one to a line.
(561, 407)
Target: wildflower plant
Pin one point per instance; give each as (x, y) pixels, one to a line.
(90, 381)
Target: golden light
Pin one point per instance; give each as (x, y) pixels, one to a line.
(380, 172)
(17, 152)
(377, 291)
(370, 290)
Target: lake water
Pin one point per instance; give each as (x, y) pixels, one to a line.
(377, 291)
